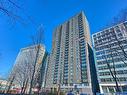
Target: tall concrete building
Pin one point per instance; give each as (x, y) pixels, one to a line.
(24, 66)
(71, 64)
(111, 50)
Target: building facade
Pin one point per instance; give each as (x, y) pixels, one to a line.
(4, 84)
(111, 49)
(25, 64)
(71, 64)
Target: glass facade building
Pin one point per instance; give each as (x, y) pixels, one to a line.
(111, 57)
(24, 66)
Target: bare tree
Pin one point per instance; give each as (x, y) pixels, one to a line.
(22, 71)
(110, 67)
(114, 70)
(121, 17)
(25, 69)
(14, 11)
(9, 85)
(121, 46)
(7, 7)
(37, 40)
(23, 76)
(117, 51)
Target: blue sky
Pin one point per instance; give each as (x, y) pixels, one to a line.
(50, 13)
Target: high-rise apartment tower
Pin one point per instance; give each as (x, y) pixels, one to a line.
(71, 65)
